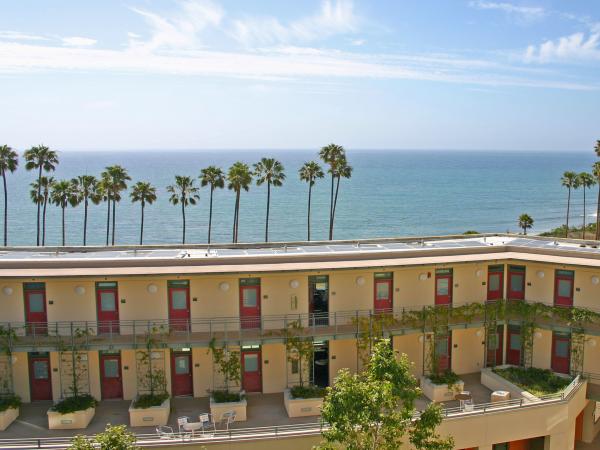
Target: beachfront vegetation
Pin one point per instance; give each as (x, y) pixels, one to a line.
(62, 195)
(375, 408)
(335, 156)
(183, 193)
(270, 171)
(525, 222)
(85, 189)
(570, 181)
(114, 181)
(144, 193)
(310, 172)
(239, 177)
(9, 160)
(586, 181)
(212, 176)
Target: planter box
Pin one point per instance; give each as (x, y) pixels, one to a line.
(7, 417)
(218, 409)
(302, 407)
(70, 421)
(440, 392)
(147, 417)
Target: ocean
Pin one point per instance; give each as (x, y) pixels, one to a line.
(391, 193)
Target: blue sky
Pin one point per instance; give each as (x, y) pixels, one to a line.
(209, 74)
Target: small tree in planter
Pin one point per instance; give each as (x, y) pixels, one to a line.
(77, 402)
(9, 402)
(229, 366)
(300, 350)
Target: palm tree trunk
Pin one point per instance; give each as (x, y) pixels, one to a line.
(38, 205)
(598, 213)
(583, 237)
(331, 209)
(183, 215)
(309, 198)
(235, 212)
(268, 207)
(44, 220)
(5, 209)
(85, 216)
(525, 231)
(107, 219)
(337, 188)
(63, 226)
(568, 206)
(210, 213)
(142, 225)
(237, 215)
(114, 213)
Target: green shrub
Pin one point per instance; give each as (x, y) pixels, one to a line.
(226, 397)
(536, 381)
(112, 438)
(149, 400)
(307, 392)
(12, 401)
(448, 377)
(75, 403)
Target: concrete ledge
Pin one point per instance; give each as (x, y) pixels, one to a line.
(7, 417)
(218, 409)
(153, 416)
(302, 407)
(70, 421)
(440, 392)
(495, 382)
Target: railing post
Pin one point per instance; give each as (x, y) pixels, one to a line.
(134, 334)
(336, 322)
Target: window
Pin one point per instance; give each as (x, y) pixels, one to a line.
(295, 366)
(179, 299)
(36, 302)
(182, 366)
(40, 370)
(108, 301)
(111, 368)
(251, 363)
(441, 346)
(515, 342)
(503, 446)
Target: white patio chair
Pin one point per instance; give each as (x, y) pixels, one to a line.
(208, 423)
(165, 432)
(469, 405)
(181, 423)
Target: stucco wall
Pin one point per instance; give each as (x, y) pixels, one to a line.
(467, 350)
(342, 355)
(410, 345)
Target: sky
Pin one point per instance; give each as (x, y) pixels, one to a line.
(269, 74)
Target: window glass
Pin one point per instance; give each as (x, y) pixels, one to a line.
(182, 365)
(106, 284)
(493, 341)
(249, 298)
(108, 301)
(384, 275)
(442, 286)
(36, 302)
(494, 282)
(40, 370)
(178, 299)
(564, 288)
(515, 342)
(561, 348)
(516, 282)
(250, 363)
(441, 347)
(111, 368)
(383, 291)
(295, 366)
(503, 446)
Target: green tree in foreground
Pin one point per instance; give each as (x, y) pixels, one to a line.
(525, 222)
(375, 409)
(9, 160)
(570, 181)
(112, 438)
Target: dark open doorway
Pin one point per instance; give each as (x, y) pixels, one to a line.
(318, 297)
(320, 372)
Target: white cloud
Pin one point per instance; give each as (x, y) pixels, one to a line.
(528, 13)
(18, 36)
(77, 41)
(179, 30)
(576, 47)
(358, 42)
(334, 17)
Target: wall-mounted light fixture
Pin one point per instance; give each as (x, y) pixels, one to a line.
(79, 290)
(152, 288)
(595, 279)
(360, 281)
(478, 273)
(422, 276)
(7, 290)
(224, 286)
(294, 284)
(540, 274)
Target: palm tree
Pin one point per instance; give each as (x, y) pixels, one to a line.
(42, 199)
(569, 180)
(185, 193)
(143, 192)
(63, 194)
(525, 222)
(86, 189)
(596, 173)
(41, 158)
(103, 195)
(238, 177)
(270, 171)
(335, 156)
(212, 176)
(310, 172)
(9, 160)
(115, 180)
(586, 181)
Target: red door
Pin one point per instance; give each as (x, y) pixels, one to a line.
(495, 347)
(179, 308)
(563, 288)
(443, 287)
(561, 352)
(443, 352)
(383, 295)
(107, 305)
(250, 306)
(40, 379)
(181, 373)
(110, 376)
(516, 283)
(513, 351)
(495, 282)
(35, 312)
(251, 371)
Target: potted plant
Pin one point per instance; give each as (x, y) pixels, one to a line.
(302, 399)
(227, 399)
(152, 405)
(439, 385)
(77, 408)
(9, 402)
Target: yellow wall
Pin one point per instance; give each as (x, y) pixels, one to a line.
(13, 306)
(128, 368)
(413, 348)
(591, 354)
(139, 303)
(20, 370)
(346, 295)
(470, 288)
(342, 355)
(467, 350)
(67, 304)
(274, 368)
(539, 289)
(203, 371)
(542, 349)
(411, 290)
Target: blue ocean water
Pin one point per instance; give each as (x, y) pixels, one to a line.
(391, 193)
